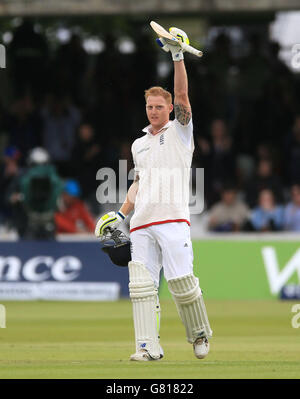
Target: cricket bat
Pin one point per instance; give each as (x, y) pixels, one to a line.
(162, 32)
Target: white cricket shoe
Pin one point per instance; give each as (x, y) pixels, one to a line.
(143, 355)
(201, 347)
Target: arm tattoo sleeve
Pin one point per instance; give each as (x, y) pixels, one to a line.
(182, 113)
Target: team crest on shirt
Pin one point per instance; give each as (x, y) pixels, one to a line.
(161, 139)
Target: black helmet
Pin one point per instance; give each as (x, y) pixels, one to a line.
(117, 246)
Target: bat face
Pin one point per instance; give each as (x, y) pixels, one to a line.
(161, 32)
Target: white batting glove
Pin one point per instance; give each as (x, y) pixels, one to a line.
(173, 47)
(109, 220)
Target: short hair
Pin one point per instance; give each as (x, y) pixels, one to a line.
(159, 91)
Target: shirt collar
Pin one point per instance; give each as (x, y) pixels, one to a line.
(147, 128)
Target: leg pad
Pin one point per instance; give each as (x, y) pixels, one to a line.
(190, 305)
(143, 295)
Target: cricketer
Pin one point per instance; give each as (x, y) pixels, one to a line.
(160, 225)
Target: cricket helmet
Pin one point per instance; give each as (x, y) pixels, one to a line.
(117, 246)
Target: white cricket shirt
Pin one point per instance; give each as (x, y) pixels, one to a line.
(163, 163)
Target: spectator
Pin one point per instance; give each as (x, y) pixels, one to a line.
(264, 179)
(254, 74)
(71, 56)
(293, 152)
(230, 214)
(61, 120)
(3, 128)
(73, 216)
(292, 210)
(29, 56)
(125, 154)
(87, 158)
(33, 197)
(218, 62)
(24, 125)
(218, 160)
(9, 171)
(276, 64)
(267, 216)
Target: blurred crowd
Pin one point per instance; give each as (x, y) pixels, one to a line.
(71, 114)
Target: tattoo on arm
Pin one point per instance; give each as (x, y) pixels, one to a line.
(182, 113)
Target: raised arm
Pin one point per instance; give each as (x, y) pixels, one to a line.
(182, 106)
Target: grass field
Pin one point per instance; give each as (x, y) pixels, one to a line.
(252, 339)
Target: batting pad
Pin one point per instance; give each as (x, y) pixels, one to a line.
(144, 299)
(190, 305)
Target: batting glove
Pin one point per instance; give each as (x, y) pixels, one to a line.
(173, 47)
(180, 35)
(110, 220)
(177, 53)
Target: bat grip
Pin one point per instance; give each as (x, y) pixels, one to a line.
(192, 50)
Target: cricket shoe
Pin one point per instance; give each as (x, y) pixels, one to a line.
(201, 347)
(143, 355)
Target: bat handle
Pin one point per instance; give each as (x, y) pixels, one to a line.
(192, 50)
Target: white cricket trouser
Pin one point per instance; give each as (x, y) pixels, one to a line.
(165, 245)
